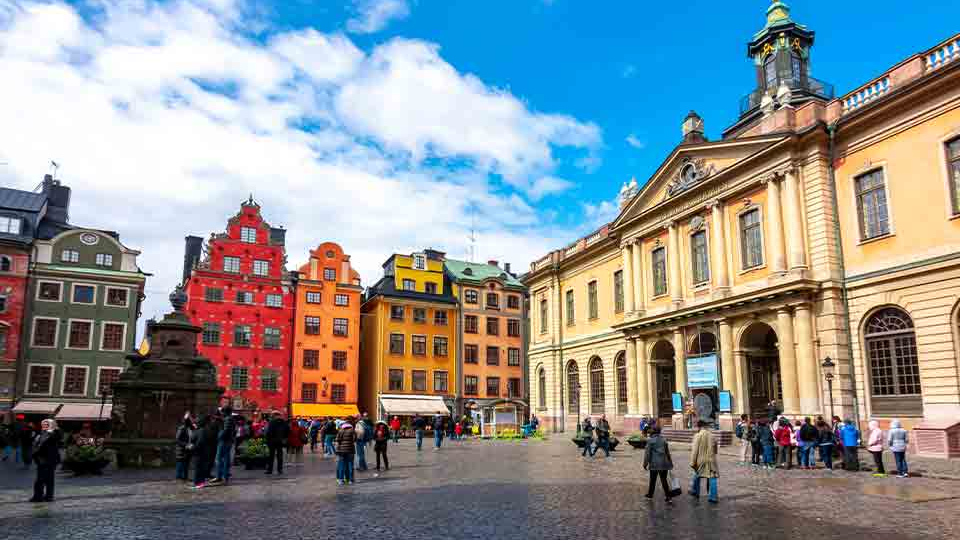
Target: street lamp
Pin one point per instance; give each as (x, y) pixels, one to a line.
(103, 401)
(828, 366)
(576, 389)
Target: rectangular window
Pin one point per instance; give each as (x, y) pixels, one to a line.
(419, 315)
(493, 356)
(470, 325)
(440, 317)
(571, 318)
(211, 333)
(953, 170)
(396, 313)
(104, 259)
(493, 386)
(48, 290)
(244, 297)
(274, 300)
(113, 336)
(544, 320)
(117, 297)
(513, 302)
(41, 380)
(311, 359)
(409, 285)
(439, 346)
(269, 380)
(311, 326)
(239, 378)
(338, 393)
(339, 360)
(470, 296)
(84, 294)
(261, 268)
(341, 327)
(699, 257)
(3, 305)
(329, 274)
(79, 337)
(513, 388)
(470, 384)
(396, 380)
(513, 356)
(418, 345)
(313, 298)
(419, 262)
(513, 327)
(659, 261)
(231, 265)
(440, 382)
(45, 332)
(872, 205)
(471, 354)
(341, 300)
(396, 343)
(593, 309)
(493, 326)
(213, 295)
(9, 225)
(107, 377)
(271, 338)
(418, 380)
(618, 291)
(751, 239)
(242, 335)
(430, 287)
(248, 235)
(75, 381)
(308, 393)
(3, 341)
(493, 301)
(70, 255)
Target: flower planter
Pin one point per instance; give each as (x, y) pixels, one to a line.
(637, 443)
(253, 463)
(80, 468)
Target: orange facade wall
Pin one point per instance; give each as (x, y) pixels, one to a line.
(482, 339)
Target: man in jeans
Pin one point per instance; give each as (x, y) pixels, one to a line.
(225, 439)
(603, 436)
(743, 427)
(419, 424)
(278, 430)
(437, 431)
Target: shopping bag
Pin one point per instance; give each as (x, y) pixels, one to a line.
(674, 485)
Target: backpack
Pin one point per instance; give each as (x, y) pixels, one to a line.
(361, 430)
(752, 435)
(740, 431)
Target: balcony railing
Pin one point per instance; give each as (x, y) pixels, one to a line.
(804, 86)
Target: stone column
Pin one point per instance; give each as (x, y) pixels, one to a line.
(673, 260)
(794, 224)
(807, 372)
(680, 360)
(777, 262)
(631, 376)
(788, 362)
(718, 258)
(741, 397)
(638, 281)
(643, 378)
(628, 294)
(728, 373)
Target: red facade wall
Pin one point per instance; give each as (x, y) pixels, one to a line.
(13, 286)
(228, 313)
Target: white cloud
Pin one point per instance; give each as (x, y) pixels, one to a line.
(635, 142)
(601, 213)
(628, 71)
(164, 116)
(373, 15)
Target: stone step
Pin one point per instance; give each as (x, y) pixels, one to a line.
(724, 438)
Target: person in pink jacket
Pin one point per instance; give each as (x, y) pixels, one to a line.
(875, 445)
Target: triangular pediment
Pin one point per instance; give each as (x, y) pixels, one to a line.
(691, 167)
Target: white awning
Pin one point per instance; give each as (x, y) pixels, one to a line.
(85, 412)
(36, 407)
(408, 405)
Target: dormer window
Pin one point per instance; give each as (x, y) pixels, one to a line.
(419, 261)
(10, 225)
(70, 255)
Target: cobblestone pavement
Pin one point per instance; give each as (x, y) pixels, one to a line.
(484, 490)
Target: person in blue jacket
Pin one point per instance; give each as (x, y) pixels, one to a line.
(850, 436)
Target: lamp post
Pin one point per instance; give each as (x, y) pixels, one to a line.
(828, 366)
(103, 401)
(577, 390)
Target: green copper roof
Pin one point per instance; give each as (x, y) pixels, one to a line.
(777, 13)
(479, 272)
(93, 271)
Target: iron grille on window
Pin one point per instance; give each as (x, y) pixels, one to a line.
(872, 205)
(340, 360)
(239, 378)
(751, 243)
(311, 359)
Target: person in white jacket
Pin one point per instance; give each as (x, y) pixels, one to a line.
(875, 445)
(897, 439)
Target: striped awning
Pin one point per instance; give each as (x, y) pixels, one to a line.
(84, 412)
(37, 407)
(408, 405)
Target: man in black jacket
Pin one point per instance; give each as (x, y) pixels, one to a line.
(419, 424)
(46, 452)
(226, 436)
(277, 432)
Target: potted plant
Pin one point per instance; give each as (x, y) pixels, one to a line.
(637, 440)
(254, 454)
(87, 456)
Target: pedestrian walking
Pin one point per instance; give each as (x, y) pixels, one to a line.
(766, 439)
(381, 436)
(875, 446)
(276, 433)
(897, 439)
(587, 430)
(741, 431)
(184, 447)
(657, 460)
(202, 443)
(850, 437)
(395, 429)
(345, 443)
(826, 441)
(437, 432)
(225, 440)
(603, 436)
(808, 438)
(419, 425)
(46, 452)
(703, 461)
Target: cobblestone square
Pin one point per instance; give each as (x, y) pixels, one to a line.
(483, 490)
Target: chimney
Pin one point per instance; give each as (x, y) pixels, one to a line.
(692, 128)
(278, 236)
(506, 268)
(493, 262)
(58, 200)
(193, 247)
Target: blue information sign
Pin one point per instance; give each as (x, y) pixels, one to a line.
(677, 402)
(702, 371)
(725, 399)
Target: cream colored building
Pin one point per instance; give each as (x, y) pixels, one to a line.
(732, 249)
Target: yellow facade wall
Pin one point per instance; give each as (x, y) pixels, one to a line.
(740, 276)
(649, 244)
(599, 269)
(403, 269)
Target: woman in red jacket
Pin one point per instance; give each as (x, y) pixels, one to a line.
(295, 441)
(395, 428)
(783, 435)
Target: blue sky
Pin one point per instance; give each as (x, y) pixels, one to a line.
(387, 125)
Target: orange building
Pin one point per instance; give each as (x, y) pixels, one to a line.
(326, 343)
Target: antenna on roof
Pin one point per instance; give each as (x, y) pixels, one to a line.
(472, 249)
(54, 167)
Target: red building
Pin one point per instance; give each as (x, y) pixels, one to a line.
(239, 291)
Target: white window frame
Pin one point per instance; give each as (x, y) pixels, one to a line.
(426, 345)
(243, 229)
(106, 297)
(86, 379)
(36, 294)
(434, 381)
(99, 373)
(103, 333)
(73, 287)
(53, 376)
(419, 261)
(306, 297)
(329, 274)
(104, 256)
(11, 219)
(266, 300)
(225, 264)
(69, 260)
(247, 386)
(260, 262)
(763, 239)
(338, 296)
(93, 328)
(852, 183)
(33, 333)
(403, 284)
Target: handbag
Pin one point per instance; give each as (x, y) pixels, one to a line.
(674, 485)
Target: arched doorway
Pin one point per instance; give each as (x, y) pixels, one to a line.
(891, 346)
(596, 386)
(663, 356)
(573, 388)
(759, 344)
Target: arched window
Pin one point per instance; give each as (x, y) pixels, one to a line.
(621, 365)
(573, 388)
(703, 343)
(596, 386)
(542, 388)
(891, 345)
(6, 264)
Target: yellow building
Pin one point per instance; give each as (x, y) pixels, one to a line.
(817, 227)
(408, 342)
